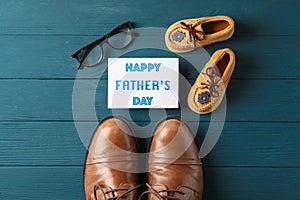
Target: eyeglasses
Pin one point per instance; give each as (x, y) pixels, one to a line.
(93, 54)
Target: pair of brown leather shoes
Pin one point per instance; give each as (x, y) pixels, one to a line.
(174, 166)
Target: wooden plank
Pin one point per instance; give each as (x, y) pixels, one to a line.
(272, 57)
(41, 182)
(249, 183)
(241, 144)
(253, 100)
(220, 183)
(79, 17)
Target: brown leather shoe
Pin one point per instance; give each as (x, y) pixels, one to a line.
(175, 169)
(111, 162)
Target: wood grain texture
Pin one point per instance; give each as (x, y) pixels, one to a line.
(262, 57)
(94, 17)
(247, 100)
(65, 183)
(242, 144)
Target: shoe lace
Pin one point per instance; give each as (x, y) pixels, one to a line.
(167, 191)
(211, 84)
(193, 32)
(113, 192)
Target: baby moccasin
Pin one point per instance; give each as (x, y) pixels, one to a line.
(186, 35)
(210, 87)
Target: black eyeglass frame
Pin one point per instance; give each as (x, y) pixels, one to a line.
(101, 41)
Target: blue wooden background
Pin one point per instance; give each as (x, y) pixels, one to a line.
(41, 155)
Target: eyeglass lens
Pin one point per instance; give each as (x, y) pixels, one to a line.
(120, 40)
(94, 56)
(116, 41)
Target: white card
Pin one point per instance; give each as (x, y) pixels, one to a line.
(143, 82)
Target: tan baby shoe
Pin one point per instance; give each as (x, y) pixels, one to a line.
(210, 87)
(189, 34)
